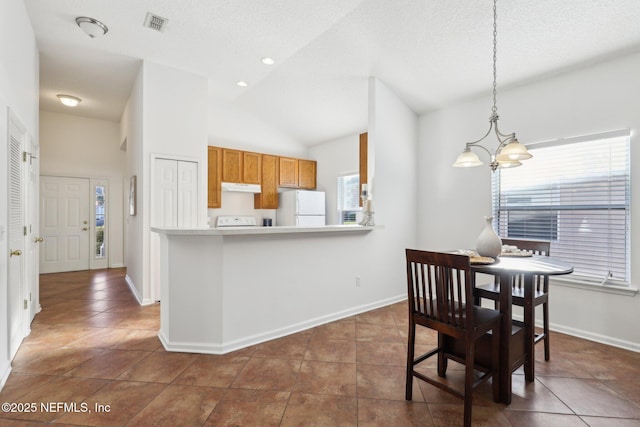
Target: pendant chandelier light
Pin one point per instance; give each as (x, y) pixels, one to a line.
(509, 152)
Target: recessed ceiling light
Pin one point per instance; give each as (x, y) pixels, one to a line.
(68, 100)
(92, 27)
(268, 61)
(242, 83)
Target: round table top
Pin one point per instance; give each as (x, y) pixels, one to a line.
(535, 264)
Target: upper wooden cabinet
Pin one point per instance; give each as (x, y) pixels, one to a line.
(241, 166)
(214, 178)
(268, 198)
(251, 168)
(287, 172)
(307, 174)
(296, 173)
(364, 155)
(246, 167)
(231, 165)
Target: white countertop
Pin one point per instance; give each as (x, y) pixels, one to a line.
(229, 231)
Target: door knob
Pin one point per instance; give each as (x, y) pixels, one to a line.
(85, 228)
(16, 252)
(39, 239)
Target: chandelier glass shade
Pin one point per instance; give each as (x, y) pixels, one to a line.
(510, 152)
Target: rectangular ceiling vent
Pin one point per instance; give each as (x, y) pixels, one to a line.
(155, 22)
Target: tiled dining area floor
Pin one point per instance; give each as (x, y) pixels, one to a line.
(93, 359)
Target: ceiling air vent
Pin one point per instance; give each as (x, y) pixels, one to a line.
(155, 22)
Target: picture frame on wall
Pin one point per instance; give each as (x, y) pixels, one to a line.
(132, 195)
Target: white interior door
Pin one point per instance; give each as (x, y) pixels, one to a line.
(64, 224)
(16, 302)
(33, 240)
(164, 211)
(187, 194)
(174, 203)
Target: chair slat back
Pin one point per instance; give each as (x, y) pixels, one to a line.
(439, 287)
(538, 247)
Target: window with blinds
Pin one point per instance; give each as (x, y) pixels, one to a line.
(348, 198)
(575, 193)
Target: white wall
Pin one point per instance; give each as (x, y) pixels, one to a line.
(82, 147)
(453, 201)
(19, 74)
(166, 114)
(392, 136)
(335, 158)
(131, 126)
(232, 127)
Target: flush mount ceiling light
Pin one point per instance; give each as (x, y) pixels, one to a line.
(242, 83)
(268, 61)
(92, 27)
(509, 151)
(68, 100)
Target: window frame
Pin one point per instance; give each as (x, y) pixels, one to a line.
(623, 283)
(357, 211)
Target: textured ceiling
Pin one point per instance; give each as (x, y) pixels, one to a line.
(430, 52)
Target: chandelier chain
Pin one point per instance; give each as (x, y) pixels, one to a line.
(495, 55)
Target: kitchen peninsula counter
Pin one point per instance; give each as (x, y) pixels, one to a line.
(227, 288)
(229, 231)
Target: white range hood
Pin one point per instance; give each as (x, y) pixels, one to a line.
(242, 188)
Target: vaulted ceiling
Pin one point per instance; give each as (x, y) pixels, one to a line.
(430, 52)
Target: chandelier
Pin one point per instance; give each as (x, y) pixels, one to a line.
(509, 152)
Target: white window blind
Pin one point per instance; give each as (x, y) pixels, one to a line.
(348, 198)
(576, 194)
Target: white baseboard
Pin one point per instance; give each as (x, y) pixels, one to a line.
(117, 265)
(602, 339)
(135, 293)
(227, 347)
(587, 335)
(5, 370)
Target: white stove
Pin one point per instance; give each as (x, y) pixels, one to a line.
(236, 221)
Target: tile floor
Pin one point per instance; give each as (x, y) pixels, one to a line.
(94, 347)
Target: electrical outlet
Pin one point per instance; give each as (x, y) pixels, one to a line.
(357, 280)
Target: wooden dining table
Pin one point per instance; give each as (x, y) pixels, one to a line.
(517, 338)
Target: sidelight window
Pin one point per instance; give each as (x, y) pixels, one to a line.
(100, 213)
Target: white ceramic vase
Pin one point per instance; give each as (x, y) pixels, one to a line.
(488, 243)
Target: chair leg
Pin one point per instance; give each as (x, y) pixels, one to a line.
(495, 362)
(468, 384)
(545, 326)
(442, 360)
(410, 357)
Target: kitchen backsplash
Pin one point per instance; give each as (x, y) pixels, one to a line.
(235, 203)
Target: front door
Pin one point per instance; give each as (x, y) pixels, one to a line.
(64, 224)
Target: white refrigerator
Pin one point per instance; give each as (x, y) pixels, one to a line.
(301, 208)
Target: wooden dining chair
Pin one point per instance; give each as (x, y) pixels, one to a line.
(540, 293)
(440, 296)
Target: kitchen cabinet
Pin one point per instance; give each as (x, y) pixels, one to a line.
(287, 172)
(214, 178)
(268, 197)
(364, 155)
(232, 162)
(240, 166)
(246, 167)
(306, 174)
(296, 173)
(251, 167)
